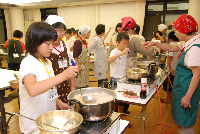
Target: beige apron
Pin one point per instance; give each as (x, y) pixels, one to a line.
(83, 60)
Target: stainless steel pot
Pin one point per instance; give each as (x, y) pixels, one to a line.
(56, 116)
(136, 73)
(161, 58)
(92, 112)
(150, 66)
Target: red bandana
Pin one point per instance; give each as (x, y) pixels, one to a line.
(128, 23)
(185, 24)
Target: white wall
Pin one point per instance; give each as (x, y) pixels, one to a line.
(92, 15)
(111, 14)
(17, 20)
(194, 10)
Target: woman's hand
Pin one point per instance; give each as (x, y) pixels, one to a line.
(61, 105)
(185, 102)
(149, 44)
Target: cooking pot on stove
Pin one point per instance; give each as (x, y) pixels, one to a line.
(150, 66)
(160, 58)
(92, 112)
(136, 73)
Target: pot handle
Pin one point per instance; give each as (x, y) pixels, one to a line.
(152, 70)
(72, 101)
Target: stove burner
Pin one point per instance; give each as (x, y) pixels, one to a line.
(150, 76)
(95, 122)
(131, 81)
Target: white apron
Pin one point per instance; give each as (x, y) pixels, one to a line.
(100, 60)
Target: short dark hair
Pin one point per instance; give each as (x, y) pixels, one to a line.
(129, 29)
(76, 32)
(137, 29)
(121, 36)
(160, 33)
(100, 29)
(69, 31)
(169, 27)
(59, 25)
(17, 34)
(38, 33)
(118, 25)
(72, 29)
(191, 33)
(172, 36)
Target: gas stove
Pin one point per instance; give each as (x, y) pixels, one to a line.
(109, 125)
(125, 83)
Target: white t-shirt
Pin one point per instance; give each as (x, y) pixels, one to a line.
(71, 41)
(33, 107)
(61, 48)
(192, 58)
(118, 67)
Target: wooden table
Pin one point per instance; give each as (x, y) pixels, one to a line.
(5, 77)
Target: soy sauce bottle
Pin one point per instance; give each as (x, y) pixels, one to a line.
(143, 88)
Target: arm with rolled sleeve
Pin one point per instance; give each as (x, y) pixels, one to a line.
(136, 46)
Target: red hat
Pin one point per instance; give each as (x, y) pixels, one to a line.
(185, 24)
(128, 23)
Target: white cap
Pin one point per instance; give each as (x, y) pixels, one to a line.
(143, 80)
(51, 19)
(161, 27)
(84, 30)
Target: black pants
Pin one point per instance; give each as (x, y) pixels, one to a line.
(126, 106)
(165, 83)
(100, 81)
(14, 66)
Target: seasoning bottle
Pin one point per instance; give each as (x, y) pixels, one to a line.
(143, 88)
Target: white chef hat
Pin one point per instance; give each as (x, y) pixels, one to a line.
(161, 27)
(84, 30)
(52, 19)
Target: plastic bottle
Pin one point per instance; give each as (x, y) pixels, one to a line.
(143, 88)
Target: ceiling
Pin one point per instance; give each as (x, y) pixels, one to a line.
(60, 3)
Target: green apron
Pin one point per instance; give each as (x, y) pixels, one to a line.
(185, 117)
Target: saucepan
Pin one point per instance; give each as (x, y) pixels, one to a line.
(58, 117)
(136, 73)
(150, 66)
(101, 109)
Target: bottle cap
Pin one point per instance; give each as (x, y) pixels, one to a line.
(143, 80)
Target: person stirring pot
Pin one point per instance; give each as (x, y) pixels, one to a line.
(186, 87)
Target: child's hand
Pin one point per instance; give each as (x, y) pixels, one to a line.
(125, 51)
(71, 71)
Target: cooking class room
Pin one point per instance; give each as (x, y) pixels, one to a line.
(99, 66)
